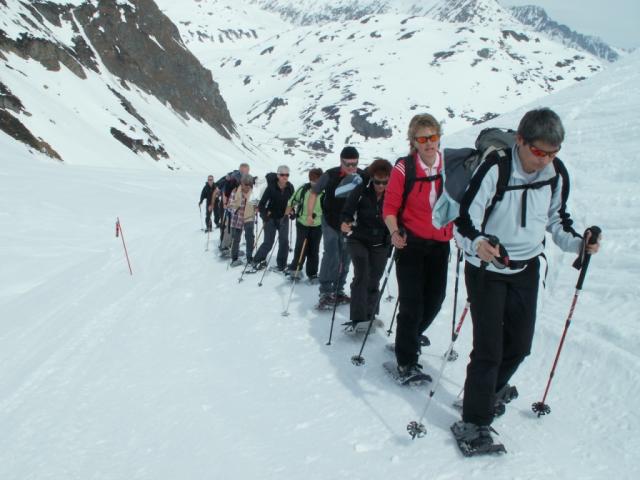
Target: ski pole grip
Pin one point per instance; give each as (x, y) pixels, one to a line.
(595, 234)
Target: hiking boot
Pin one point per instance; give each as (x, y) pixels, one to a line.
(256, 267)
(326, 301)
(312, 279)
(476, 436)
(504, 396)
(236, 263)
(424, 341)
(412, 374)
(343, 298)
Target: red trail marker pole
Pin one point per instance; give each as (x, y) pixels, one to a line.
(120, 233)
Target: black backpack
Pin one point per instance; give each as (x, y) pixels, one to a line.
(492, 144)
(299, 194)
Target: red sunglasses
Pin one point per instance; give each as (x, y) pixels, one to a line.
(429, 138)
(538, 152)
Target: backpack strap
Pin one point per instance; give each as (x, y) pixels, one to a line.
(504, 172)
(410, 180)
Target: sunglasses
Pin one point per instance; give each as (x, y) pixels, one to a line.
(350, 164)
(429, 138)
(380, 182)
(538, 152)
(283, 174)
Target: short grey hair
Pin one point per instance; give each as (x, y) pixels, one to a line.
(283, 169)
(542, 124)
(246, 179)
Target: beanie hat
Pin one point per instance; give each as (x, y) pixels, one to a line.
(349, 153)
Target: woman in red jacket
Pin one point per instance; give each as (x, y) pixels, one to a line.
(422, 249)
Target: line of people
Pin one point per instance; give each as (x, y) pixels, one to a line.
(390, 209)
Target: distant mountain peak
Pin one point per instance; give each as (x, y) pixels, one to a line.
(469, 11)
(537, 18)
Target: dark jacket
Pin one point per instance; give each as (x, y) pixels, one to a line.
(207, 192)
(365, 210)
(274, 200)
(332, 206)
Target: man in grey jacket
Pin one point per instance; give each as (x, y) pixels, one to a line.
(503, 294)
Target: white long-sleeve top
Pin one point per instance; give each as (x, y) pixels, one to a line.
(545, 211)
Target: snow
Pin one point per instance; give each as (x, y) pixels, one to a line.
(179, 371)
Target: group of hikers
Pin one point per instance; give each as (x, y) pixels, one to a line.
(386, 213)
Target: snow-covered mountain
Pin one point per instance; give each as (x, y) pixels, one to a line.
(222, 24)
(316, 88)
(78, 76)
(182, 372)
(309, 12)
(537, 18)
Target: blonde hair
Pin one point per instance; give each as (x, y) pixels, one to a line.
(420, 121)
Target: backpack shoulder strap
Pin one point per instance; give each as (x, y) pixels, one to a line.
(503, 159)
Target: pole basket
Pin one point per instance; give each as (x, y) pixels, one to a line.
(452, 356)
(416, 430)
(541, 408)
(357, 360)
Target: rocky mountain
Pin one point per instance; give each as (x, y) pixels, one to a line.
(115, 64)
(314, 88)
(311, 12)
(537, 18)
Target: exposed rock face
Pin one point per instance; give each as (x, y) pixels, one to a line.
(135, 42)
(145, 48)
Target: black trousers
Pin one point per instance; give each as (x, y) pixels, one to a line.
(217, 211)
(421, 269)
(503, 311)
(368, 268)
(248, 238)
(311, 254)
(272, 227)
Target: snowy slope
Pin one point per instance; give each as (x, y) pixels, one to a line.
(181, 372)
(75, 105)
(318, 88)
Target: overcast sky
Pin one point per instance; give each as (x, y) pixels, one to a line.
(615, 21)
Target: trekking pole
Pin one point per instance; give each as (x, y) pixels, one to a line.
(389, 297)
(541, 408)
(268, 262)
(358, 360)
(335, 292)
(290, 234)
(393, 317)
(255, 243)
(452, 355)
(233, 240)
(293, 280)
(417, 429)
(206, 248)
(120, 233)
(201, 224)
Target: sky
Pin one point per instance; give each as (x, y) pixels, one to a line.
(615, 21)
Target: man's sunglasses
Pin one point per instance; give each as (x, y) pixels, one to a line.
(380, 182)
(350, 164)
(429, 138)
(283, 174)
(538, 152)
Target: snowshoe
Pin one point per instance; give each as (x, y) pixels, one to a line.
(354, 328)
(410, 375)
(236, 263)
(312, 279)
(475, 439)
